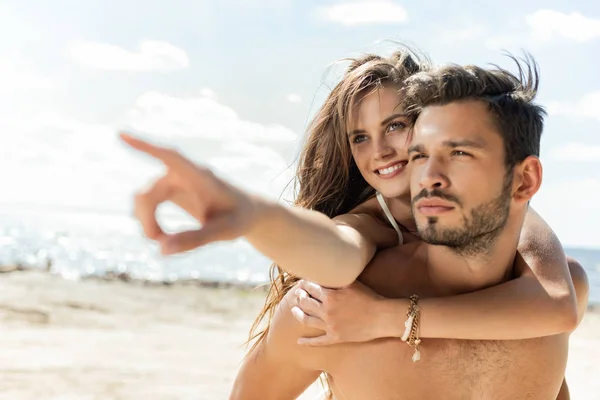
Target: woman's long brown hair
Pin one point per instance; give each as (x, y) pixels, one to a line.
(327, 179)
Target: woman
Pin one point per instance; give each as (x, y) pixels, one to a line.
(343, 222)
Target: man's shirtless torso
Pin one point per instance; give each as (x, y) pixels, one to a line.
(448, 369)
(383, 369)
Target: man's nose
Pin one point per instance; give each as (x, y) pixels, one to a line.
(433, 175)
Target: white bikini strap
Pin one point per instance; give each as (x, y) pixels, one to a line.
(390, 217)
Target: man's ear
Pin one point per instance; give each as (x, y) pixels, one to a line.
(527, 179)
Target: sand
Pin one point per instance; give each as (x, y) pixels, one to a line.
(94, 339)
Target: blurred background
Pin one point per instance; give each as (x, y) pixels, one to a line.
(233, 84)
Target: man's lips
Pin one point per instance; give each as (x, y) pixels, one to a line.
(433, 206)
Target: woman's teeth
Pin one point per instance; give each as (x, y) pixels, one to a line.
(389, 170)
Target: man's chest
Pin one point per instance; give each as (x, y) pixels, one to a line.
(449, 369)
(398, 272)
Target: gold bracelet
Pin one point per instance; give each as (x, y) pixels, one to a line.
(411, 327)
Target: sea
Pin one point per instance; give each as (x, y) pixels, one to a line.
(84, 243)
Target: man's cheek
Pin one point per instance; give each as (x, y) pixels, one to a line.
(415, 176)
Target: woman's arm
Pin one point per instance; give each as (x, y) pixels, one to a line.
(306, 243)
(311, 245)
(540, 301)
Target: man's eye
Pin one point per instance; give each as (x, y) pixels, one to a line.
(417, 157)
(460, 153)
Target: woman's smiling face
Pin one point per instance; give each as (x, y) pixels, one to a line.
(379, 139)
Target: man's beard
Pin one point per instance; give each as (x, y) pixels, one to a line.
(480, 228)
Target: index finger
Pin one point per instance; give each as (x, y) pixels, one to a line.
(169, 157)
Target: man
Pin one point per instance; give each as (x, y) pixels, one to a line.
(469, 200)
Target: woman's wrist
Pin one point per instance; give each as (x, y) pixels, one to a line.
(390, 317)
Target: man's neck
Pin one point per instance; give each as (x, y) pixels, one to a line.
(401, 210)
(455, 273)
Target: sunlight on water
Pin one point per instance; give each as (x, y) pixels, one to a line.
(95, 244)
(83, 244)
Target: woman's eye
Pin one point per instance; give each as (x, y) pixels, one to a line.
(396, 126)
(358, 138)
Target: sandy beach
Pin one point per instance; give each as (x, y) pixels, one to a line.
(98, 339)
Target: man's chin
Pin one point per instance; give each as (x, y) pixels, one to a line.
(439, 235)
(437, 241)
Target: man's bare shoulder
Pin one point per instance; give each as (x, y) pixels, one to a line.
(285, 331)
(581, 284)
(277, 368)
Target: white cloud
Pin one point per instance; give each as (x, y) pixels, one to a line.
(571, 210)
(208, 93)
(546, 24)
(248, 153)
(576, 152)
(13, 78)
(363, 13)
(152, 56)
(167, 116)
(542, 27)
(293, 98)
(587, 107)
(265, 165)
(56, 160)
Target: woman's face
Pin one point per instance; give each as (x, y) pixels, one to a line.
(379, 142)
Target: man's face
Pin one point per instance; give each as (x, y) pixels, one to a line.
(461, 191)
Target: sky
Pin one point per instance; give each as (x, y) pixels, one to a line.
(233, 84)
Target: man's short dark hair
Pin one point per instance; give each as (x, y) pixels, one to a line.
(509, 98)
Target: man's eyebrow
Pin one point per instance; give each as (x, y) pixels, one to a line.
(474, 144)
(416, 148)
(383, 123)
